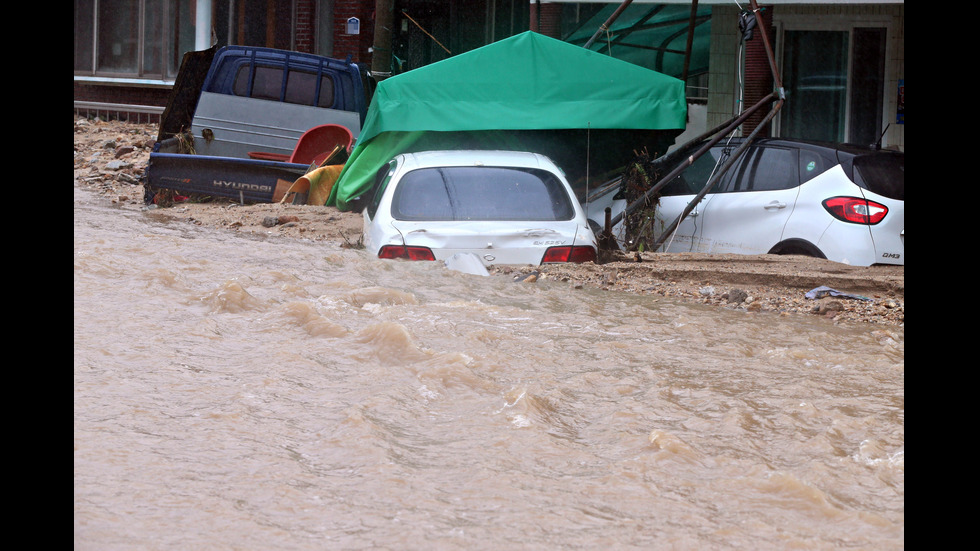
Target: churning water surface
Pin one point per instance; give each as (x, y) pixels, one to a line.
(241, 392)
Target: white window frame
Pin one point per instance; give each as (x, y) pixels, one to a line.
(783, 22)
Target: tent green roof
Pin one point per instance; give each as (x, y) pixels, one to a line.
(528, 82)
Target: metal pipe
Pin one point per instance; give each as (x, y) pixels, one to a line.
(772, 59)
(632, 207)
(690, 41)
(605, 26)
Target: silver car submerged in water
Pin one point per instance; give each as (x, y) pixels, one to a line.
(503, 207)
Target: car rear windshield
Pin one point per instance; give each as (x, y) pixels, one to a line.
(883, 174)
(481, 193)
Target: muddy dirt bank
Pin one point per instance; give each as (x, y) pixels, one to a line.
(110, 157)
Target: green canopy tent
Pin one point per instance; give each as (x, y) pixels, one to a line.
(585, 110)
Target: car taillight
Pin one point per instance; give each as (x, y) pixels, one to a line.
(408, 253)
(855, 210)
(569, 254)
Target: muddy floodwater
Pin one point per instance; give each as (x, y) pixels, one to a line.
(241, 392)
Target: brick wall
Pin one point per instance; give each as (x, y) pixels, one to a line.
(758, 74)
(549, 21)
(355, 45)
(305, 31)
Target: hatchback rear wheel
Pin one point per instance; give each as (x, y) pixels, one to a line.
(797, 246)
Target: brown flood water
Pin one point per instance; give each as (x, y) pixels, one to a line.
(233, 392)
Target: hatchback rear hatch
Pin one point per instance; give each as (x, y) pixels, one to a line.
(881, 175)
(504, 215)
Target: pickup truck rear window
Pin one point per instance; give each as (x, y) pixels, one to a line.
(481, 193)
(300, 86)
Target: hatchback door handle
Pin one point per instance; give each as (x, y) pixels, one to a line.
(775, 205)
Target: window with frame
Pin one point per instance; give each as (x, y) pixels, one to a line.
(132, 38)
(767, 169)
(300, 86)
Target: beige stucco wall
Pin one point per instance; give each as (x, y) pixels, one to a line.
(723, 81)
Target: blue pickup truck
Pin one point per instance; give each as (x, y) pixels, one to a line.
(233, 109)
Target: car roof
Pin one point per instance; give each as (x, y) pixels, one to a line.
(468, 157)
(829, 147)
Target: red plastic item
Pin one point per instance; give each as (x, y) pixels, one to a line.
(313, 146)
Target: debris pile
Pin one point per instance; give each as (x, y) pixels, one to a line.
(111, 156)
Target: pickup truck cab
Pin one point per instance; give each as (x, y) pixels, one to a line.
(236, 100)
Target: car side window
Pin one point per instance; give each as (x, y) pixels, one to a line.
(721, 156)
(695, 177)
(767, 169)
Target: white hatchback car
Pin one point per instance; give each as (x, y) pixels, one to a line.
(846, 204)
(504, 207)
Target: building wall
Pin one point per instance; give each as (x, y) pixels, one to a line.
(726, 91)
(304, 38)
(356, 45)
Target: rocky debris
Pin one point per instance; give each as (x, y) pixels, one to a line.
(779, 287)
(111, 157)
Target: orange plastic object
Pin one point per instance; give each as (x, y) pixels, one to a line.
(313, 146)
(320, 141)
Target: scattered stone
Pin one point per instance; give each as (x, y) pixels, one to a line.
(270, 221)
(827, 306)
(124, 150)
(527, 278)
(737, 296)
(127, 179)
